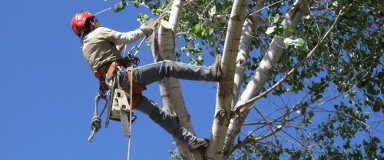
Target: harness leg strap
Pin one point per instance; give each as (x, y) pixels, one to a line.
(136, 88)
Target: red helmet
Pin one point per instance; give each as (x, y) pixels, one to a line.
(78, 21)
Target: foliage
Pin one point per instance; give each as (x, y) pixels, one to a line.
(175, 154)
(328, 106)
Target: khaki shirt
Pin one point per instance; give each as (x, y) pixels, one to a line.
(99, 46)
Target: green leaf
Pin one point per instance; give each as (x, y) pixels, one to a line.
(335, 4)
(300, 42)
(290, 29)
(197, 28)
(276, 18)
(212, 11)
(211, 30)
(205, 32)
(137, 5)
(142, 17)
(251, 136)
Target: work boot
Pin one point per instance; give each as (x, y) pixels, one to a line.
(198, 144)
(216, 68)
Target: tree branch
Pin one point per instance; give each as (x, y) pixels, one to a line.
(225, 88)
(253, 140)
(252, 100)
(265, 69)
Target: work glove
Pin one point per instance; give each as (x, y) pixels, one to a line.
(147, 27)
(146, 30)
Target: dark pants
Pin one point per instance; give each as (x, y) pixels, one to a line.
(150, 73)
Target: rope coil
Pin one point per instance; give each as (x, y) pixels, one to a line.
(95, 126)
(96, 119)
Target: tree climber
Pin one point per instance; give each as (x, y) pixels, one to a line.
(100, 49)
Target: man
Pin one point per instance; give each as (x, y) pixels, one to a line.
(101, 52)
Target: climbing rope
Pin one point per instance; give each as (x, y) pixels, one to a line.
(96, 120)
(114, 6)
(130, 113)
(154, 24)
(131, 55)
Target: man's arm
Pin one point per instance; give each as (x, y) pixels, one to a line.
(130, 37)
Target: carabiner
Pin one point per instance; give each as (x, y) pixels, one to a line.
(137, 51)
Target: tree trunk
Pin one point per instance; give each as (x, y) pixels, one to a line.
(264, 71)
(163, 47)
(250, 24)
(225, 89)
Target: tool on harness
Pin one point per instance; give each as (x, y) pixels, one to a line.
(117, 100)
(132, 56)
(134, 60)
(119, 103)
(120, 109)
(96, 120)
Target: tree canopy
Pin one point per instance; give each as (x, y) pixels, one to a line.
(315, 68)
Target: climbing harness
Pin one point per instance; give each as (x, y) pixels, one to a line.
(120, 103)
(117, 99)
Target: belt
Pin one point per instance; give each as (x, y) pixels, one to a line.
(107, 69)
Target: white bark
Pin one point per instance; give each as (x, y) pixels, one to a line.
(170, 89)
(264, 71)
(250, 24)
(242, 58)
(225, 88)
(174, 18)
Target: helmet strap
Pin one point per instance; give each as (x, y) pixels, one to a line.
(88, 28)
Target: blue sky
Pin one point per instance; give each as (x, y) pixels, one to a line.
(47, 90)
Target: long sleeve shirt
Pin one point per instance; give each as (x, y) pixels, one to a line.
(99, 46)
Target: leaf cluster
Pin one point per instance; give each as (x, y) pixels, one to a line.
(348, 67)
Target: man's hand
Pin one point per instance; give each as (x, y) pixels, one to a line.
(146, 30)
(120, 47)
